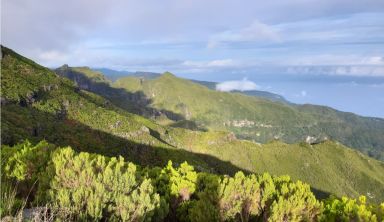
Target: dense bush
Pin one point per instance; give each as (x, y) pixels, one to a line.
(345, 209)
(95, 187)
(84, 186)
(245, 198)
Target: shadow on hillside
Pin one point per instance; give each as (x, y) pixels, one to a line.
(20, 123)
(134, 102)
(25, 122)
(320, 194)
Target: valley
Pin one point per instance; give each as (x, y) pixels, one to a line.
(177, 102)
(39, 104)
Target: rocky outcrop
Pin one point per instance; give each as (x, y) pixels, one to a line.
(315, 140)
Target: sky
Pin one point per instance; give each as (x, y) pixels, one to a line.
(310, 51)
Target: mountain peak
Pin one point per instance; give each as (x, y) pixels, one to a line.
(168, 74)
(65, 66)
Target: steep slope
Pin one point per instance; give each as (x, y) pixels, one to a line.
(38, 104)
(256, 118)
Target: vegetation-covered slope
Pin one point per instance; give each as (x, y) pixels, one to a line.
(38, 104)
(258, 119)
(116, 75)
(181, 103)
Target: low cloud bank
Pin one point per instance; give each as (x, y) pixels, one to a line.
(241, 85)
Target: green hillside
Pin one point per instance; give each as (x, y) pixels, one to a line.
(258, 119)
(115, 75)
(38, 104)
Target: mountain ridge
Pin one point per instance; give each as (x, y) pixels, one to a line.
(109, 73)
(39, 104)
(191, 106)
(318, 121)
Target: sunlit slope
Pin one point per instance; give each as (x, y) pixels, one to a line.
(38, 104)
(328, 166)
(258, 119)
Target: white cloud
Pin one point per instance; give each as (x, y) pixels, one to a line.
(257, 31)
(303, 93)
(373, 60)
(53, 55)
(220, 63)
(336, 64)
(241, 85)
(335, 59)
(350, 70)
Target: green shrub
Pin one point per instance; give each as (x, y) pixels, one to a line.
(95, 187)
(346, 209)
(245, 198)
(84, 186)
(25, 167)
(176, 185)
(294, 202)
(27, 161)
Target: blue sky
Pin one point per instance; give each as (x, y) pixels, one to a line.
(213, 40)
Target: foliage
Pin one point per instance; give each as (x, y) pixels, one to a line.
(176, 185)
(294, 202)
(346, 209)
(37, 104)
(28, 161)
(181, 180)
(101, 188)
(85, 186)
(245, 198)
(239, 197)
(24, 167)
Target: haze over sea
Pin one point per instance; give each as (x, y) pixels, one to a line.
(358, 94)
